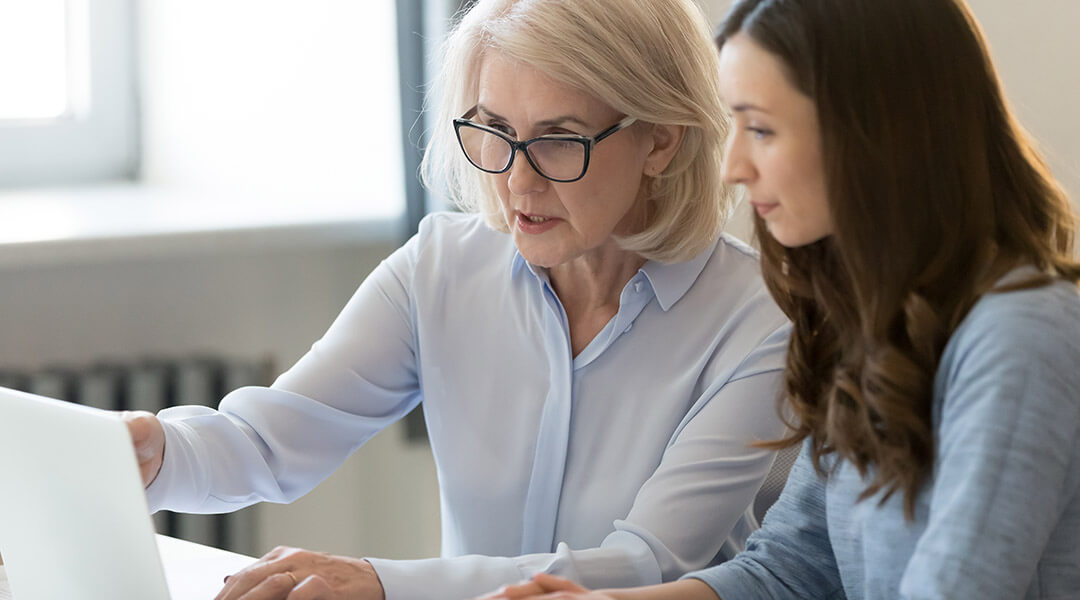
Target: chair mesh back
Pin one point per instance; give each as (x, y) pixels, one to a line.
(775, 480)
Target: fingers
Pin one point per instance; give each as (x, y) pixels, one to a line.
(510, 592)
(148, 439)
(551, 583)
(264, 576)
(139, 428)
(311, 588)
(277, 586)
(540, 586)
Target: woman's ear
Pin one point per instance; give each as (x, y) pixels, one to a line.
(666, 141)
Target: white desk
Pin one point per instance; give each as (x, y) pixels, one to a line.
(192, 570)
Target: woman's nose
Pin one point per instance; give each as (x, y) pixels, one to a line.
(737, 167)
(524, 179)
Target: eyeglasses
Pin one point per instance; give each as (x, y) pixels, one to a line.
(562, 158)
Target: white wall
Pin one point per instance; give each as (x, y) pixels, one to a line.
(1036, 50)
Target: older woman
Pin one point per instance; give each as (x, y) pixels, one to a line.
(593, 357)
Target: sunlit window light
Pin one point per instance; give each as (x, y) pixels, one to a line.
(33, 59)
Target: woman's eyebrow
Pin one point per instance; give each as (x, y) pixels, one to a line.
(553, 122)
(562, 121)
(746, 107)
(480, 108)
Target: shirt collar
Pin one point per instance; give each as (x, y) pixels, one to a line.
(517, 263)
(670, 281)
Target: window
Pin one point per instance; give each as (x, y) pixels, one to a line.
(33, 63)
(67, 114)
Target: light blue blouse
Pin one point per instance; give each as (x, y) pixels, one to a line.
(625, 465)
(1000, 518)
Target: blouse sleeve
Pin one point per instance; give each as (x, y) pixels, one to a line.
(276, 444)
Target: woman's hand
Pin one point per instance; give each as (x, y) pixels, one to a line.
(295, 574)
(148, 437)
(549, 587)
(546, 587)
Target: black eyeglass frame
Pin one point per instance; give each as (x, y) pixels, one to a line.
(587, 142)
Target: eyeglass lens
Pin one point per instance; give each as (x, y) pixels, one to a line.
(555, 159)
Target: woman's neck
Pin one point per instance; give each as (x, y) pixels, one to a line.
(589, 288)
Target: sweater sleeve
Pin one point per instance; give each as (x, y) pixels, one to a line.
(1007, 427)
(790, 557)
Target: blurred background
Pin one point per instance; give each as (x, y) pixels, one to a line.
(191, 190)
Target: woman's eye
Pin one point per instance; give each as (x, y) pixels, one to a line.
(557, 144)
(500, 127)
(759, 133)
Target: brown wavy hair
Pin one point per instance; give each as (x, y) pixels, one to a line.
(935, 192)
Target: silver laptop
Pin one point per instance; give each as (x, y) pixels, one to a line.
(74, 521)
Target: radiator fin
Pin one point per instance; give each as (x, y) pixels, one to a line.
(152, 385)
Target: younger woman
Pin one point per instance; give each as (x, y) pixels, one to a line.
(924, 254)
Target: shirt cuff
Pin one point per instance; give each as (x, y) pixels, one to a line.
(177, 485)
(460, 577)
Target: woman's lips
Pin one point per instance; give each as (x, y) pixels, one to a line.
(534, 224)
(764, 208)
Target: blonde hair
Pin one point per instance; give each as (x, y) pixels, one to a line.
(650, 59)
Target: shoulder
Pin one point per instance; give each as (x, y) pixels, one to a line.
(1007, 382)
(732, 278)
(449, 237)
(729, 301)
(449, 245)
(1020, 340)
(1046, 316)
(455, 226)
(731, 262)
(455, 254)
(734, 244)
(737, 255)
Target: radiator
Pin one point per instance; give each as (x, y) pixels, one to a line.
(152, 385)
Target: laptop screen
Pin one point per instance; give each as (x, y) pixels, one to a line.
(73, 516)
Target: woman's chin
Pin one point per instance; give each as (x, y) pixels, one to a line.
(539, 254)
